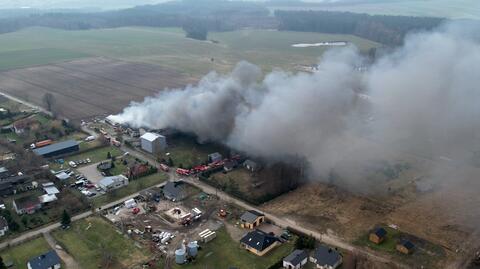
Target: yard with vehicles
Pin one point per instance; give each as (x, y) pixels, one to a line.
(95, 155)
(94, 243)
(20, 254)
(132, 187)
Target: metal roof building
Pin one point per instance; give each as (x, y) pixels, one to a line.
(58, 149)
(45, 261)
(153, 143)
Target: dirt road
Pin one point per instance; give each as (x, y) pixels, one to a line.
(70, 263)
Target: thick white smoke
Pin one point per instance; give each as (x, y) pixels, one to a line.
(424, 96)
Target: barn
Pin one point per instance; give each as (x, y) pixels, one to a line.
(58, 149)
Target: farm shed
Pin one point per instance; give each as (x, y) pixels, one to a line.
(153, 143)
(214, 157)
(405, 246)
(61, 148)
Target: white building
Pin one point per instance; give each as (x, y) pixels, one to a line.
(114, 182)
(153, 143)
(3, 226)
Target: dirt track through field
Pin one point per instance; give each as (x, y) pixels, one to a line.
(90, 87)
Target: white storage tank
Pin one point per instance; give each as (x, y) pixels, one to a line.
(180, 256)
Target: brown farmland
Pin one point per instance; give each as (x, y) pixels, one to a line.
(90, 87)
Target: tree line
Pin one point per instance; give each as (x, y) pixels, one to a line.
(198, 17)
(389, 30)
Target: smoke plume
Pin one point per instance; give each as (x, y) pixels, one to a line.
(423, 97)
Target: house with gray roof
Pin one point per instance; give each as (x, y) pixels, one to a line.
(326, 258)
(259, 242)
(49, 260)
(174, 191)
(113, 182)
(296, 260)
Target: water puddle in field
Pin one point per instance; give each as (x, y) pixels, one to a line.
(321, 44)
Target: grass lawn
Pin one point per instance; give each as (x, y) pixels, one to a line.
(89, 240)
(38, 56)
(133, 186)
(20, 254)
(186, 152)
(223, 252)
(168, 47)
(95, 155)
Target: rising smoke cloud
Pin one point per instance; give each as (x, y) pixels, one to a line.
(423, 97)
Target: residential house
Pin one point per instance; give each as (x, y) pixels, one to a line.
(174, 191)
(258, 242)
(214, 157)
(138, 170)
(405, 246)
(251, 166)
(3, 226)
(113, 182)
(4, 173)
(378, 235)
(251, 219)
(26, 205)
(49, 260)
(326, 258)
(296, 260)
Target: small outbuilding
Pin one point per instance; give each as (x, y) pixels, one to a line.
(296, 260)
(251, 219)
(251, 166)
(214, 157)
(378, 235)
(405, 246)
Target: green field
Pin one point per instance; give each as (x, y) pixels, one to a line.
(91, 241)
(23, 58)
(223, 252)
(95, 155)
(133, 186)
(20, 254)
(168, 47)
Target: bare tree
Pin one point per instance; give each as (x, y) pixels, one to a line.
(49, 101)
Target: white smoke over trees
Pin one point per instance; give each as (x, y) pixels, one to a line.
(425, 95)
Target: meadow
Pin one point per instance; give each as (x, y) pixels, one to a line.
(168, 47)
